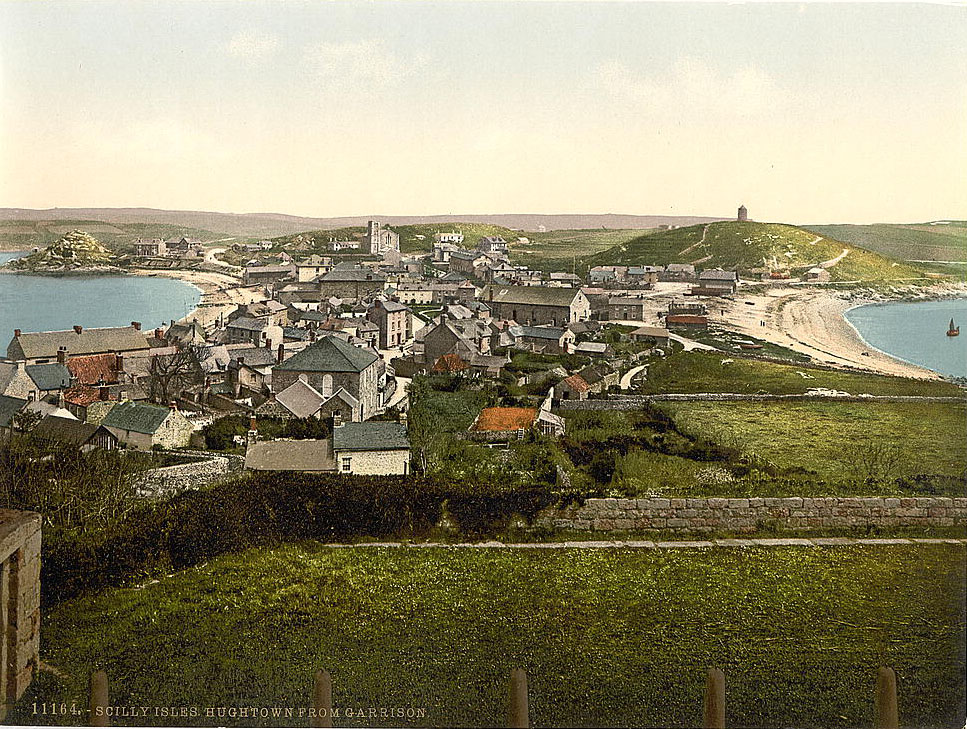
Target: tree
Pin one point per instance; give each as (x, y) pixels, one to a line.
(25, 420)
(170, 374)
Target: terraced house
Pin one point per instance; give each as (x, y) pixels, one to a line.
(42, 347)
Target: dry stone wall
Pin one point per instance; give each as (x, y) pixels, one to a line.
(746, 515)
(171, 479)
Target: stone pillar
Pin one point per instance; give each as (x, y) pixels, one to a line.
(19, 603)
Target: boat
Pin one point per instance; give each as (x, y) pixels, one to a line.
(954, 331)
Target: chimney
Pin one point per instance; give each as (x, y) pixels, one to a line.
(281, 354)
(119, 364)
(103, 393)
(159, 333)
(16, 332)
(62, 355)
(136, 325)
(173, 404)
(78, 328)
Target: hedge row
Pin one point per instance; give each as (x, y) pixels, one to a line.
(267, 509)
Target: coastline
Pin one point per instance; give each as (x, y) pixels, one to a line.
(813, 322)
(220, 293)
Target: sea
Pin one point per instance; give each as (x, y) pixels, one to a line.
(53, 303)
(916, 331)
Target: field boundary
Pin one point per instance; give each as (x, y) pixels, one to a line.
(644, 544)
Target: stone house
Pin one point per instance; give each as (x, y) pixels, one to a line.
(142, 426)
(351, 283)
(371, 449)
(651, 335)
(677, 272)
(267, 275)
(312, 268)
(817, 274)
(33, 382)
(535, 305)
(545, 340)
(572, 388)
(716, 282)
(627, 308)
(271, 311)
(255, 332)
(43, 347)
(503, 424)
(331, 363)
(468, 262)
(394, 322)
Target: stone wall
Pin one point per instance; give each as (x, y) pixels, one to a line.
(19, 603)
(634, 402)
(746, 515)
(171, 479)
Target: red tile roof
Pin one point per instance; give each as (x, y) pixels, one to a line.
(94, 369)
(83, 396)
(501, 419)
(450, 363)
(576, 383)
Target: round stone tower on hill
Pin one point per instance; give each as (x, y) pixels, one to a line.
(743, 214)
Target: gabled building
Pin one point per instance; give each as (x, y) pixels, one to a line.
(716, 282)
(42, 347)
(271, 311)
(69, 431)
(142, 426)
(351, 283)
(394, 322)
(371, 449)
(331, 363)
(535, 305)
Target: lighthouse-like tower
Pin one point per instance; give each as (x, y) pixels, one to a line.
(743, 214)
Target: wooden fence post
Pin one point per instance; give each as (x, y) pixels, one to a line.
(517, 712)
(887, 716)
(714, 700)
(322, 700)
(99, 699)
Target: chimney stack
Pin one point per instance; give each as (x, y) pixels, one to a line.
(16, 332)
(78, 328)
(62, 355)
(159, 333)
(136, 325)
(281, 354)
(103, 393)
(119, 364)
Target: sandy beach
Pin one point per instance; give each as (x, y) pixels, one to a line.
(811, 321)
(221, 293)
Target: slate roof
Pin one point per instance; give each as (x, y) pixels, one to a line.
(247, 323)
(329, 354)
(94, 369)
(310, 315)
(647, 331)
(9, 406)
(498, 420)
(393, 306)
(254, 356)
(542, 332)
(64, 430)
(290, 455)
(137, 417)
(301, 399)
(717, 274)
(33, 345)
(533, 295)
(53, 376)
(371, 436)
(591, 348)
(352, 274)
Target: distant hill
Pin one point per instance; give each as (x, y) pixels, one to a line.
(750, 246)
(936, 241)
(19, 235)
(270, 225)
(77, 250)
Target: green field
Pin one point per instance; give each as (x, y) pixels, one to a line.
(608, 637)
(25, 234)
(831, 438)
(696, 371)
(914, 242)
(564, 250)
(746, 246)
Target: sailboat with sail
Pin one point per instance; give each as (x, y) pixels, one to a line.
(953, 331)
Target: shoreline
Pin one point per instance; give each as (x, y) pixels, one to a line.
(813, 322)
(220, 293)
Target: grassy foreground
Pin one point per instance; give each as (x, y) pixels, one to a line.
(608, 637)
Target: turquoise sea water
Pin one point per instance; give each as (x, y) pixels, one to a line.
(46, 303)
(917, 332)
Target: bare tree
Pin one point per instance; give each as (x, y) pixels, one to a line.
(875, 461)
(170, 374)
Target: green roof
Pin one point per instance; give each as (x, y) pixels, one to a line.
(137, 417)
(330, 354)
(371, 436)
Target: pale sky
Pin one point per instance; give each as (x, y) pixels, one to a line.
(804, 112)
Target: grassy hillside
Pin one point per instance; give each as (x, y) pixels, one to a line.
(76, 249)
(18, 235)
(748, 246)
(915, 242)
(608, 637)
(705, 372)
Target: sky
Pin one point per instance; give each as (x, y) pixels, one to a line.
(805, 113)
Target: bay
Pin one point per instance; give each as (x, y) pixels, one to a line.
(51, 303)
(916, 332)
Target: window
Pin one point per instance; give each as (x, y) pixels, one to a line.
(346, 464)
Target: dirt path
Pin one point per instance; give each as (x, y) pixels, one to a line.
(695, 245)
